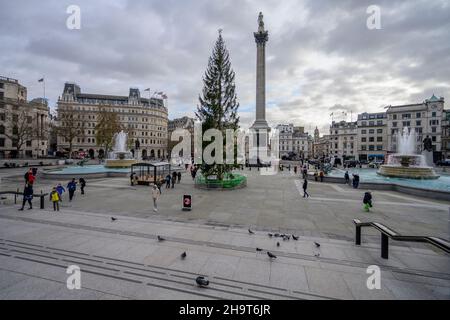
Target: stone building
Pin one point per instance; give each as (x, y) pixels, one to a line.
(320, 145)
(294, 141)
(181, 123)
(145, 118)
(23, 124)
(424, 118)
(343, 140)
(446, 134)
(372, 136)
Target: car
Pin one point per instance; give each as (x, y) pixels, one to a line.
(444, 163)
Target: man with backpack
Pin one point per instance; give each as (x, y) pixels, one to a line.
(72, 187)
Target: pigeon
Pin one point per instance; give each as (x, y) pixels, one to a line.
(113, 219)
(317, 255)
(317, 244)
(250, 231)
(276, 235)
(183, 255)
(202, 281)
(270, 235)
(285, 238)
(161, 238)
(259, 249)
(278, 244)
(294, 237)
(271, 255)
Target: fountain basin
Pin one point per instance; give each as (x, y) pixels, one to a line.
(119, 163)
(409, 172)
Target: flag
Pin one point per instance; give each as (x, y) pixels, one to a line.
(160, 93)
(164, 96)
(148, 89)
(41, 80)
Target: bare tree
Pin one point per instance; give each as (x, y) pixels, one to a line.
(20, 127)
(69, 125)
(107, 126)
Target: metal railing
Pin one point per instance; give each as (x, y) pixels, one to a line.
(387, 233)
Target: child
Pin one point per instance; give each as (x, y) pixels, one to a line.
(54, 198)
(60, 189)
(367, 201)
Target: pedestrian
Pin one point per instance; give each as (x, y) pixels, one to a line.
(168, 178)
(55, 198)
(295, 169)
(305, 186)
(27, 174)
(82, 184)
(321, 174)
(346, 177)
(316, 176)
(27, 196)
(155, 195)
(367, 201)
(355, 181)
(72, 187)
(179, 176)
(60, 189)
(174, 178)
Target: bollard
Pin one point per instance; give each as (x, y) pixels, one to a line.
(384, 246)
(358, 235)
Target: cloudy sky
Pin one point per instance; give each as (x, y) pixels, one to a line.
(321, 57)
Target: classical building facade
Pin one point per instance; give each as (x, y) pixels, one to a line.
(372, 136)
(424, 118)
(145, 118)
(23, 124)
(320, 145)
(181, 123)
(446, 134)
(343, 140)
(294, 140)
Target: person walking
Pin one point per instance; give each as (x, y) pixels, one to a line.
(55, 198)
(27, 196)
(82, 184)
(72, 187)
(355, 181)
(367, 201)
(155, 196)
(168, 178)
(174, 178)
(305, 187)
(346, 177)
(179, 176)
(60, 189)
(321, 174)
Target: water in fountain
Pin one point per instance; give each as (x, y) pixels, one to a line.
(406, 163)
(120, 150)
(406, 146)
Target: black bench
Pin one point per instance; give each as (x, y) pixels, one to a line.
(17, 193)
(387, 233)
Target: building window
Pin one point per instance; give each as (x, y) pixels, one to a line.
(371, 131)
(433, 129)
(394, 117)
(394, 124)
(371, 139)
(2, 142)
(406, 123)
(363, 131)
(418, 123)
(379, 139)
(371, 147)
(418, 115)
(363, 148)
(379, 147)
(28, 143)
(379, 130)
(433, 114)
(406, 116)
(379, 122)
(433, 138)
(371, 123)
(2, 129)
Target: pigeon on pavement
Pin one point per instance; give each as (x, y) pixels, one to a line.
(113, 219)
(183, 255)
(161, 238)
(271, 255)
(202, 281)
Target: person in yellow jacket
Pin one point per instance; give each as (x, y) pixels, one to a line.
(54, 198)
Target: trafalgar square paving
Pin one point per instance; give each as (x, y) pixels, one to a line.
(123, 259)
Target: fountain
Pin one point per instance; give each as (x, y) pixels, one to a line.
(407, 163)
(120, 157)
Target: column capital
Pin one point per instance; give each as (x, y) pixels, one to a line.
(261, 37)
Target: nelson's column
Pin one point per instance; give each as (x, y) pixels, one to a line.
(260, 129)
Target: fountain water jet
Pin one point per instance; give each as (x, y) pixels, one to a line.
(407, 163)
(120, 157)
